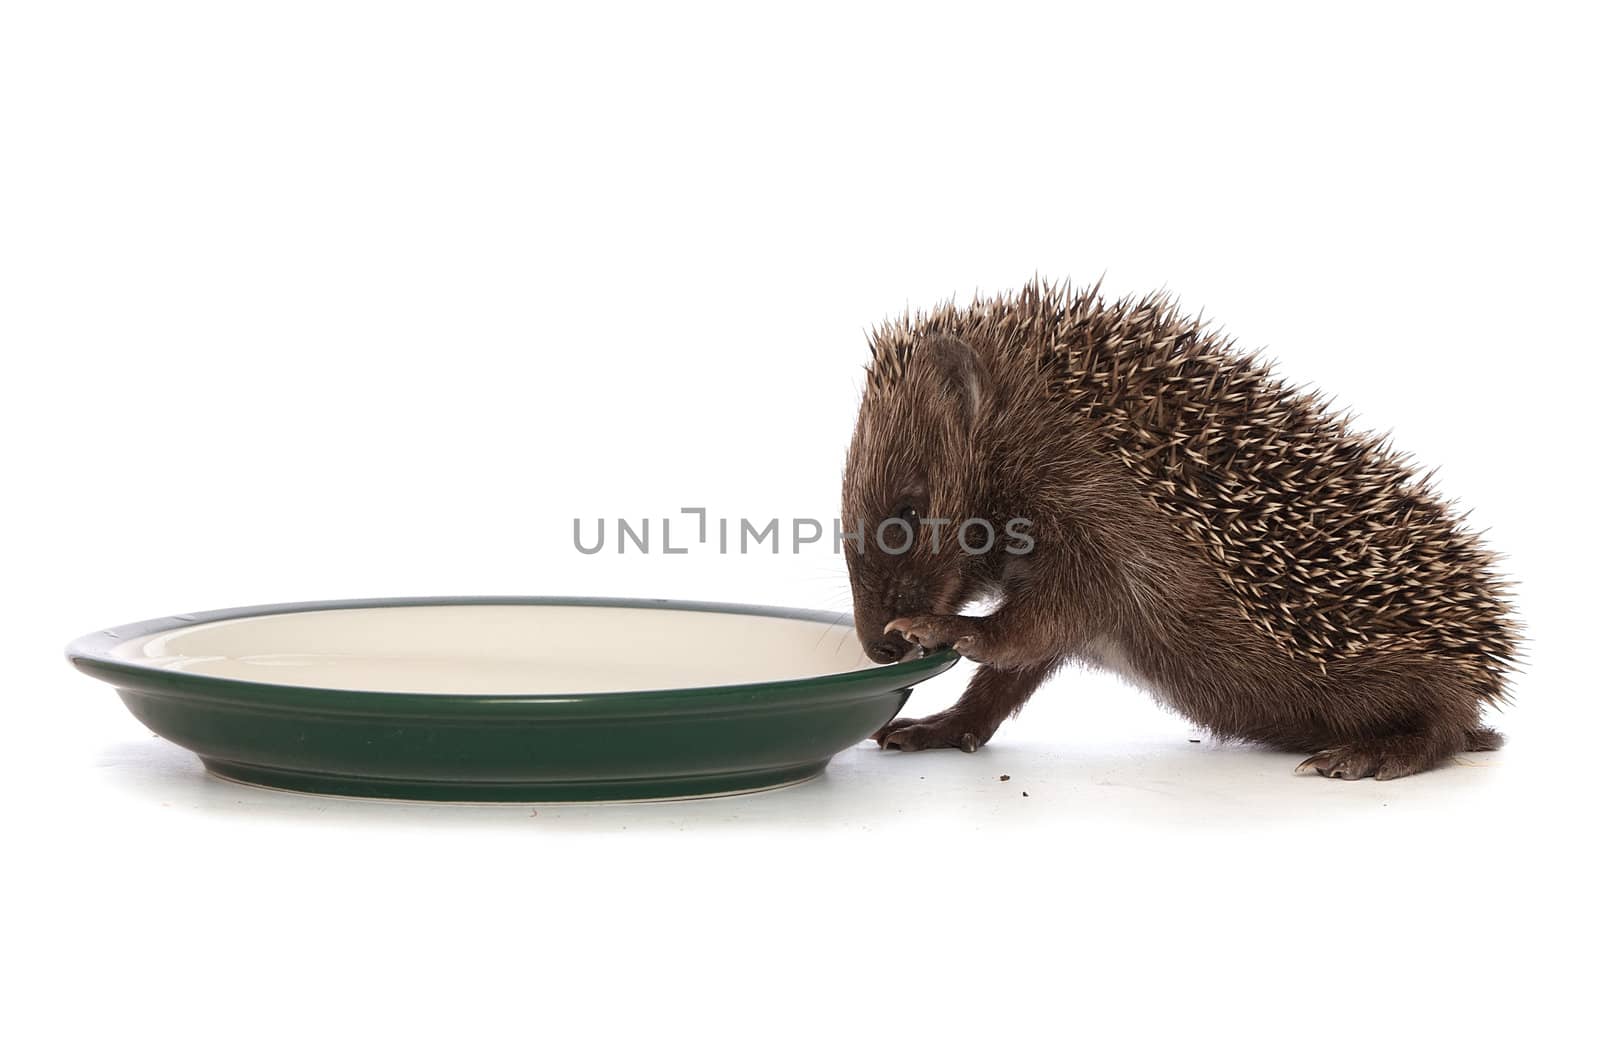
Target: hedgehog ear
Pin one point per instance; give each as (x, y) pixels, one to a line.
(963, 377)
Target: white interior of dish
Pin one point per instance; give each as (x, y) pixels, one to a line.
(504, 649)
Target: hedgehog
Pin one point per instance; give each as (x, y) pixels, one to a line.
(1176, 513)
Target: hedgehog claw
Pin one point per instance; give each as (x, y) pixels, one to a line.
(1309, 765)
(960, 633)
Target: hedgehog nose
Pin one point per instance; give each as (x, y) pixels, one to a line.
(888, 649)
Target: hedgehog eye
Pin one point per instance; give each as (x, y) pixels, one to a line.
(910, 515)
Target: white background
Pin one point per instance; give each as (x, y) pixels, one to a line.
(317, 300)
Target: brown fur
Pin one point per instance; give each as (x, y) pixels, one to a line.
(1199, 526)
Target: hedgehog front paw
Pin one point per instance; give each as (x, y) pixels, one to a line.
(950, 729)
(964, 634)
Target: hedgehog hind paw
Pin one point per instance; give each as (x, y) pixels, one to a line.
(1363, 762)
(1398, 755)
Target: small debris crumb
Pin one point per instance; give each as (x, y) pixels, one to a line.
(1005, 778)
(1024, 793)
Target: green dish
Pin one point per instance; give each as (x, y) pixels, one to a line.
(505, 699)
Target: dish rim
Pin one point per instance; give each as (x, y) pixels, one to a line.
(93, 654)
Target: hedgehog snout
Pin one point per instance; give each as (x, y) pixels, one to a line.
(880, 646)
(887, 649)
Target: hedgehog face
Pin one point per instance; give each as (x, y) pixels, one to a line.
(909, 486)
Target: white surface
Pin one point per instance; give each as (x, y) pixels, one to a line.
(504, 649)
(347, 300)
